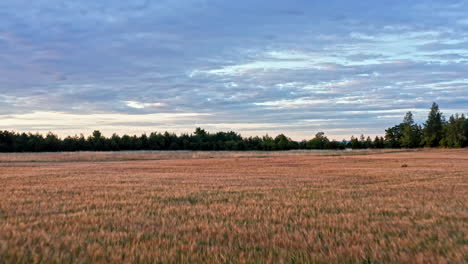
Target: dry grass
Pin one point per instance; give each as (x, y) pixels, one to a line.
(234, 207)
(171, 155)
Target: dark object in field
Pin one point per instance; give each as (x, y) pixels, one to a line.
(404, 166)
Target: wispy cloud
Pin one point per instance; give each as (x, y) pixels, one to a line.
(253, 66)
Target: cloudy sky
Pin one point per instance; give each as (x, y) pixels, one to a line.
(253, 66)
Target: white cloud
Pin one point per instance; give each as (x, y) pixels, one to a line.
(293, 103)
(141, 105)
(261, 69)
(64, 122)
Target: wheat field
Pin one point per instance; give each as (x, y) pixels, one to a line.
(193, 207)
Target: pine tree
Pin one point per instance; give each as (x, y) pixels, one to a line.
(454, 133)
(433, 128)
(369, 143)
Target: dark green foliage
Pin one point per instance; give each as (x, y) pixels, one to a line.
(319, 142)
(433, 128)
(355, 143)
(379, 142)
(52, 143)
(368, 143)
(436, 132)
(393, 137)
(200, 140)
(284, 143)
(408, 134)
(455, 132)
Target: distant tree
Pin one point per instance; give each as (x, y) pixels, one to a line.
(126, 143)
(144, 142)
(83, 143)
(393, 136)
(282, 142)
(6, 141)
(199, 140)
(355, 143)
(455, 134)
(433, 128)
(436, 132)
(253, 143)
(268, 143)
(71, 143)
(320, 141)
(154, 141)
(114, 142)
(200, 132)
(135, 143)
(410, 132)
(379, 142)
(52, 142)
(345, 143)
(97, 141)
(465, 130)
(369, 143)
(362, 138)
(184, 142)
(335, 145)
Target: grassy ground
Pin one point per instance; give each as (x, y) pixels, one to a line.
(235, 207)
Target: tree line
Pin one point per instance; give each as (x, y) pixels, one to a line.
(435, 132)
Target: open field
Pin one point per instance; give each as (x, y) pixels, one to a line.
(324, 207)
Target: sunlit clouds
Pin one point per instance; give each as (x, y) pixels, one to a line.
(342, 67)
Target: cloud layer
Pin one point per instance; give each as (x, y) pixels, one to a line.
(298, 67)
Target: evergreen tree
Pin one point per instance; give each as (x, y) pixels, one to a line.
(268, 143)
(52, 143)
(96, 141)
(114, 142)
(369, 143)
(410, 132)
(433, 128)
(354, 143)
(454, 132)
(465, 130)
(393, 136)
(379, 142)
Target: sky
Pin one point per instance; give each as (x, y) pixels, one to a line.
(253, 66)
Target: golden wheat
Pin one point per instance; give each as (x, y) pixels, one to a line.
(234, 207)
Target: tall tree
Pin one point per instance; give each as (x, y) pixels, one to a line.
(97, 141)
(379, 142)
(393, 136)
(433, 128)
(354, 143)
(410, 132)
(52, 142)
(319, 142)
(283, 142)
(454, 132)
